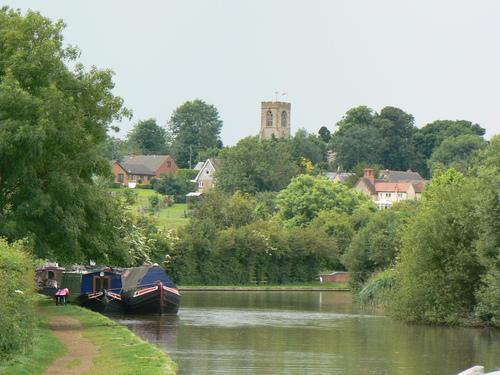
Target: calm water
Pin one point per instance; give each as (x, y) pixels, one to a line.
(307, 333)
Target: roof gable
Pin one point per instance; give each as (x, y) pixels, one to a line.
(210, 164)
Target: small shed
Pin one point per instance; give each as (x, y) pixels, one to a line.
(335, 277)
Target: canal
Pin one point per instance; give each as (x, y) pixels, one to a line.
(306, 333)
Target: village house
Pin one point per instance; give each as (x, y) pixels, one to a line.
(205, 178)
(142, 169)
(391, 187)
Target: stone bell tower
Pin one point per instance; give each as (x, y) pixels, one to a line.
(274, 120)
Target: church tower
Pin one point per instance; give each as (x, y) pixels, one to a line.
(274, 120)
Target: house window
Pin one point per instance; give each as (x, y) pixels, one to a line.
(269, 118)
(169, 164)
(121, 177)
(400, 195)
(200, 184)
(387, 195)
(284, 122)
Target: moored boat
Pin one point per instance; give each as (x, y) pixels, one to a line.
(101, 291)
(149, 290)
(48, 278)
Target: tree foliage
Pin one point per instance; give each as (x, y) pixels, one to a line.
(455, 152)
(178, 184)
(17, 302)
(324, 134)
(375, 246)
(228, 242)
(252, 166)
(148, 138)
(357, 139)
(193, 127)
(307, 196)
(430, 136)
(308, 146)
(53, 124)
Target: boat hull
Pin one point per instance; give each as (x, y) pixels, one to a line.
(152, 300)
(102, 302)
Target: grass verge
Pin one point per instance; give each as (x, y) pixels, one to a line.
(120, 351)
(46, 348)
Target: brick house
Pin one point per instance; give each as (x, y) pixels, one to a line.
(142, 168)
(391, 187)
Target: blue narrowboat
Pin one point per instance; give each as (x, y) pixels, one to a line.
(149, 290)
(101, 291)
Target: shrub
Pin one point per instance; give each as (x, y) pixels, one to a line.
(130, 196)
(16, 299)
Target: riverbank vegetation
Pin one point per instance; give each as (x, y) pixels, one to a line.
(119, 350)
(446, 266)
(17, 304)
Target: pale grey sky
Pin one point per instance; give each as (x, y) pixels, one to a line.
(435, 59)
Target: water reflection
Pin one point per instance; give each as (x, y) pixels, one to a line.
(306, 333)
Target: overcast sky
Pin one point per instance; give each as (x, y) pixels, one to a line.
(435, 59)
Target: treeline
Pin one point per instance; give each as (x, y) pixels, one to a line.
(275, 238)
(391, 140)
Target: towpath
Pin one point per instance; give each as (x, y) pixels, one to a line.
(81, 351)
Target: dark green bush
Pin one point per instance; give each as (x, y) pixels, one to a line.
(16, 299)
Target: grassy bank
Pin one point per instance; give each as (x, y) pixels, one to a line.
(167, 217)
(120, 351)
(46, 348)
(302, 286)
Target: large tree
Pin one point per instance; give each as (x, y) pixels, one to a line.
(439, 269)
(357, 139)
(307, 196)
(309, 146)
(456, 152)
(252, 166)
(194, 126)
(430, 136)
(148, 137)
(53, 124)
(396, 131)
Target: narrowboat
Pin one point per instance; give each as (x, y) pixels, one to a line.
(48, 278)
(101, 291)
(149, 290)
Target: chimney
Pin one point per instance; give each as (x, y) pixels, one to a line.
(369, 175)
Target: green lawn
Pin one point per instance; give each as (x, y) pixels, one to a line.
(171, 217)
